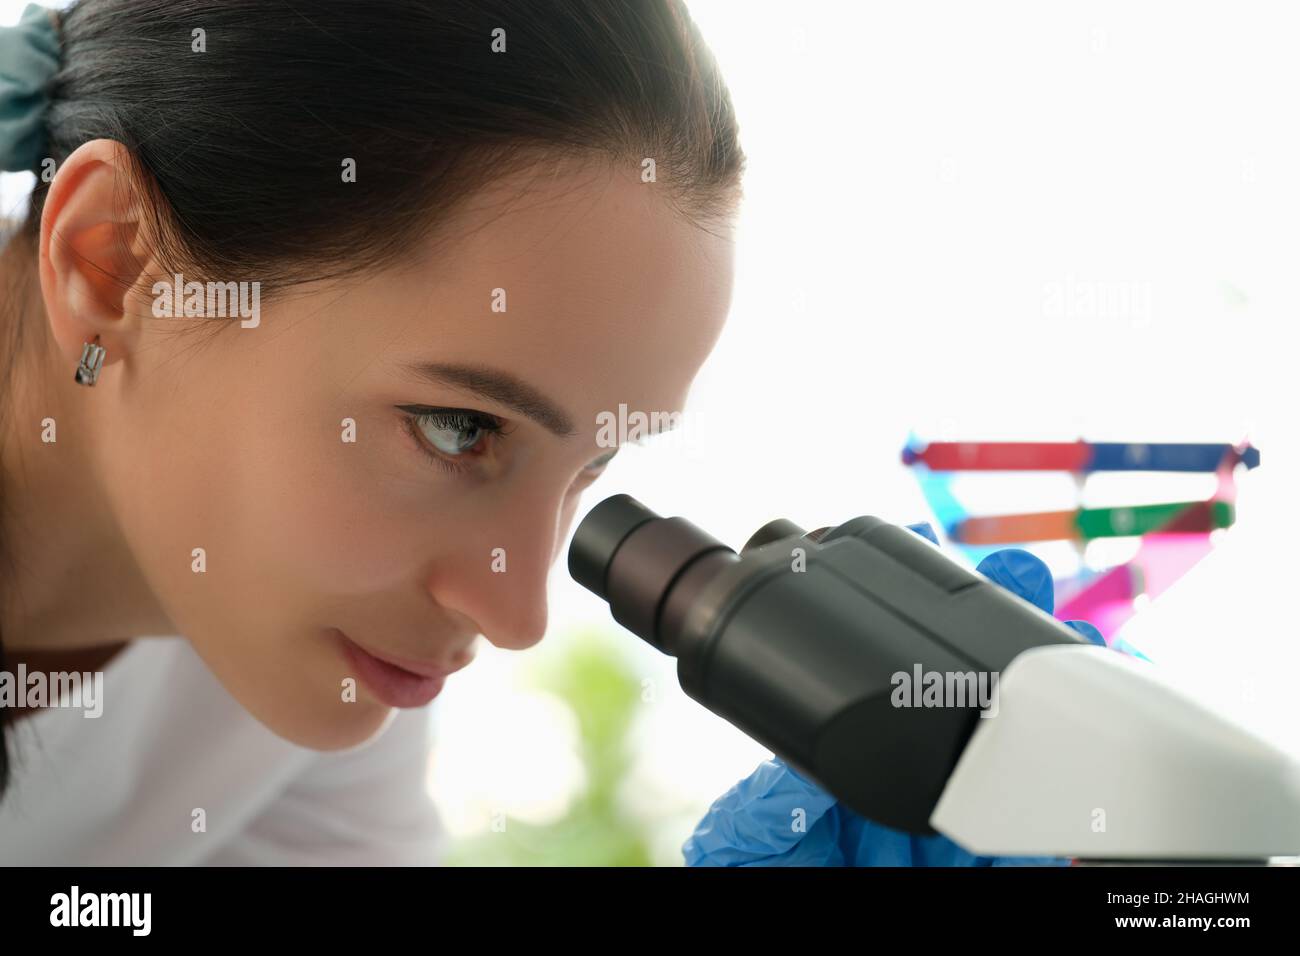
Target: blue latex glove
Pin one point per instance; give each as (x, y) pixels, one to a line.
(753, 823)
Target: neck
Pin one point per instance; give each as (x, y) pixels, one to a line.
(68, 580)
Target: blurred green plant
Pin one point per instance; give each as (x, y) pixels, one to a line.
(596, 681)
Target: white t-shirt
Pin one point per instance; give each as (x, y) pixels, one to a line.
(122, 788)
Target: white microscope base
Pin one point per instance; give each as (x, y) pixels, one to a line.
(1093, 754)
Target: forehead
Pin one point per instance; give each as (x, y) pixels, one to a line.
(578, 277)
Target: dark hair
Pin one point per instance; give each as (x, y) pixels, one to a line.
(237, 152)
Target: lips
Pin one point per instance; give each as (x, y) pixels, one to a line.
(396, 682)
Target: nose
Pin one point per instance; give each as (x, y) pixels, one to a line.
(497, 575)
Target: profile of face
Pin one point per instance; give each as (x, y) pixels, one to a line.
(385, 467)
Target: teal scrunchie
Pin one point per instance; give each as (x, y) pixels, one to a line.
(29, 58)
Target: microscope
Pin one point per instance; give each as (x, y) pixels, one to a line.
(928, 699)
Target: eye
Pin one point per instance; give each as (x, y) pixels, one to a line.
(452, 434)
(448, 434)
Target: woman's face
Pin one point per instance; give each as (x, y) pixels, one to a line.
(406, 533)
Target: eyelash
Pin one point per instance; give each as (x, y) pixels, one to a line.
(462, 419)
(452, 419)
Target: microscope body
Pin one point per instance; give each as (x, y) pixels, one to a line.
(773, 643)
(1023, 738)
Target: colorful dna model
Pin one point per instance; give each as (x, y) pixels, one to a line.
(1174, 535)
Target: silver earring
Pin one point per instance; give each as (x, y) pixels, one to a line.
(92, 360)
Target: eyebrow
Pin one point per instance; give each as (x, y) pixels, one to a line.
(500, 387)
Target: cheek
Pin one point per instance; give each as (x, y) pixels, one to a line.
(334, 538)
(313, 513)
(172, 492)
(287, 513)
(329, 519)
(280, 526)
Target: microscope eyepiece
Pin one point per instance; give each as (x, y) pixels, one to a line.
(635, 559)
(599, 536)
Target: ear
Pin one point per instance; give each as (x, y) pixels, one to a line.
(95, 254)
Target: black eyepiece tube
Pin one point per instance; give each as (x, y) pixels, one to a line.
(633, 558)
(600, 535)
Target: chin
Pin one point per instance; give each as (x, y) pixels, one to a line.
(337, 726)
